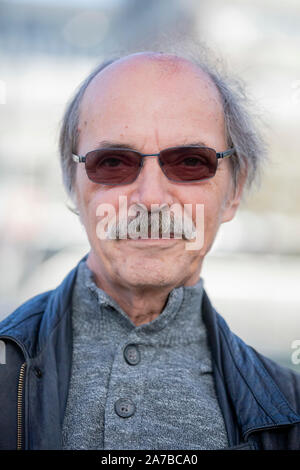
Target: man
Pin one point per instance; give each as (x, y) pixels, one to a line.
(128, 353)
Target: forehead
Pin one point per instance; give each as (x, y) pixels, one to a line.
(143, 92)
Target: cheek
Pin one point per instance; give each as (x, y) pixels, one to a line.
(95, 202)
(212, 218)
(207, 194)
(88, 199)
(210, 197)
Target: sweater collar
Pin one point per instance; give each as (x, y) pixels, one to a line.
(94, 308)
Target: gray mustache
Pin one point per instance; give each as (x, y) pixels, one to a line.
(161, 223)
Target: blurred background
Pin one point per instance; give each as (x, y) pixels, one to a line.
(252, 275)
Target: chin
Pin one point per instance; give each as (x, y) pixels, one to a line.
(148, 277)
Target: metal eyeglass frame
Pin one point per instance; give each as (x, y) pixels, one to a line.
(82, 159)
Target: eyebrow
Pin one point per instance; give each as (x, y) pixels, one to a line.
(107, 144)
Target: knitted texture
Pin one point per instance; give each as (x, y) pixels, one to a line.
(169, 390)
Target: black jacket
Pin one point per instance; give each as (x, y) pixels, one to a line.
(259, 399)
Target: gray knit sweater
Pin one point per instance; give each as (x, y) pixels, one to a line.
(140, 387)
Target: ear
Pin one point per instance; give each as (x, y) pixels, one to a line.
(233, 199)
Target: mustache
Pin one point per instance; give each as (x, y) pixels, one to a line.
(157, 223)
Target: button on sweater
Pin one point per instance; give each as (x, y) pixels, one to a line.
(140, 387)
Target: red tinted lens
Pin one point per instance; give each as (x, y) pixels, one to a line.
(108, 166)
(184, 164)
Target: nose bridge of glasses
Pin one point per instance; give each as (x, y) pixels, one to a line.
(145, 155)
(152, 185)
(150, 154)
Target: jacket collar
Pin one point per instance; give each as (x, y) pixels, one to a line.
(58, 307)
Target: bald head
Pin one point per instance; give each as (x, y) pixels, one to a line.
(145, 90)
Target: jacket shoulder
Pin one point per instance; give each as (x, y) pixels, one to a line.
(23, 324)
(256, 368)
(27, 312)
(32, 322)
(287, 380)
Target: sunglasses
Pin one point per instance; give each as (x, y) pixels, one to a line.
(117, 166)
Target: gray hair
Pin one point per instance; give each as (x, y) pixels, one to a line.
(242, 130)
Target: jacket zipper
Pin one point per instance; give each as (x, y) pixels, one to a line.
(20, 406)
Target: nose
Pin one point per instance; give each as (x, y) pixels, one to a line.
(151, 186)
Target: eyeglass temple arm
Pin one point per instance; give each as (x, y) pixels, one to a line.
(77, 158)
(225, 154)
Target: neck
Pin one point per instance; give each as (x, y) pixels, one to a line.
(142, 304)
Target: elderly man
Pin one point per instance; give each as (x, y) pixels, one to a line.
(128, 353)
